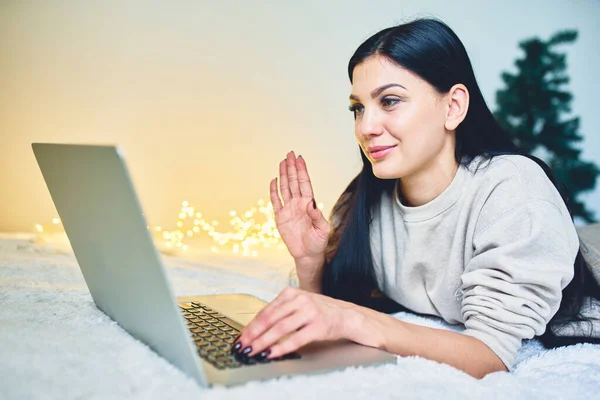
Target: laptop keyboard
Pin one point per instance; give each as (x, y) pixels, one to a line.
(214, 337)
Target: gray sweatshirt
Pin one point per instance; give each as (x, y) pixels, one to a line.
(492, 252)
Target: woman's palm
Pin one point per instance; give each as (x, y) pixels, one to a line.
(301, 225)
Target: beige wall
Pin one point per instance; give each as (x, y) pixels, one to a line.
(207, 97)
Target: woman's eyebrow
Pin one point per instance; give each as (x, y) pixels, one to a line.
(378, 91)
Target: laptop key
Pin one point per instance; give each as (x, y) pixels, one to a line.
(215, 314)
(203, 352)
(232, 364)
(220, 365)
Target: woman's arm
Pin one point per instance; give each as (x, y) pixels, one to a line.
(385, 332)
(297, 317)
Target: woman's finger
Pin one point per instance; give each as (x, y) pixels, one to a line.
(292, 174)
(283, 327)
(285, 295)
(269, 315)
(306, 189)
(295, 341)
(283, 182)
(275, 200)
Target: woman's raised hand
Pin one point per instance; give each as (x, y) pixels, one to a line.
(302, 226)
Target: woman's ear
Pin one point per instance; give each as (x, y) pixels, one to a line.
(458, 105)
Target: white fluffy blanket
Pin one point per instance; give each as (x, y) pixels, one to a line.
(55, 344)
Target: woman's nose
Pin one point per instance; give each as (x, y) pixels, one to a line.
(369, 124)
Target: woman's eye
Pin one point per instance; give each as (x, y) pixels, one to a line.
(389, 101)
(356, 109)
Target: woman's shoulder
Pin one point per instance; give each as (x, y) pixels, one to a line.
(506, 183)
(505, 165)
(514, 175)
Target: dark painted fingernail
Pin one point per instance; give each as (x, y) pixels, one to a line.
(247, 350)
(263, 355)
(299, 156)
(314, 204)
(236, 347)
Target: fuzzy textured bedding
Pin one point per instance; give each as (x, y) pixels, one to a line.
(55, 344)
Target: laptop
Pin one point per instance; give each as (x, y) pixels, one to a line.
(101, 214)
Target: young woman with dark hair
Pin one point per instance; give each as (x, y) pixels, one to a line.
(447, 218)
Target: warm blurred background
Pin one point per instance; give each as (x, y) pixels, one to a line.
(206, 97)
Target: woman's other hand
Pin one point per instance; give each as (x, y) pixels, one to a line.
(301, 225)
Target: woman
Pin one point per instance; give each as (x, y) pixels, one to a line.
(447, 218)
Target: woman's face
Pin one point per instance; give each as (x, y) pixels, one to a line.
(399, 119)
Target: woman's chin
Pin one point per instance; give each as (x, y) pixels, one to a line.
(381, 172)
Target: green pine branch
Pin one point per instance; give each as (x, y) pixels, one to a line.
(533, 107)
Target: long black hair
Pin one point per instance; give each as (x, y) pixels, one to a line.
(431, 50)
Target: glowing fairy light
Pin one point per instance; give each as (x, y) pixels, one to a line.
(248, 230)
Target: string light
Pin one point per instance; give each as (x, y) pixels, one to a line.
(250, 229)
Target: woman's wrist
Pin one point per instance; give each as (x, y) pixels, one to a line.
(310, 273)
(369, 327)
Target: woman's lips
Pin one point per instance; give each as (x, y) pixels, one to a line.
(379, 154)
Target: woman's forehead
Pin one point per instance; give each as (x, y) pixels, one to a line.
(377, 71)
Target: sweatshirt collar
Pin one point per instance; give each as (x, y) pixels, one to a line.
(438, 205)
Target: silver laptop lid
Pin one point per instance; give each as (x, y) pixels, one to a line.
(96, 201)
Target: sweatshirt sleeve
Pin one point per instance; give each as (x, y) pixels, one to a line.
(512, 286)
